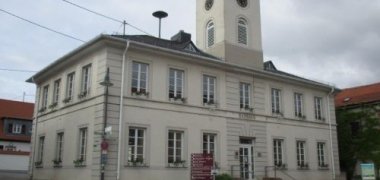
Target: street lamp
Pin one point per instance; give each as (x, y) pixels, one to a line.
(104, 145)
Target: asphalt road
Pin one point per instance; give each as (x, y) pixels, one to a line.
(6, 175)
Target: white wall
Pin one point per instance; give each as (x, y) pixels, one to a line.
(14, 162)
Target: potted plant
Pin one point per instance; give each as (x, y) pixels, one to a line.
(66, 100)
(79, 163)
(180, 162)
(51, 106)
(136, 162)
(42, 109)
(57, 162)
(38, 164)
(82, 94)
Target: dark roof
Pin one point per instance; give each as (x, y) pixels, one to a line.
(16, 109)
(179, 42)
(270, 67)
(358, 95)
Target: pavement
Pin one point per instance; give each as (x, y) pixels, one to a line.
(13, 175)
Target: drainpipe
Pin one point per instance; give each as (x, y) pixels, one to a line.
(35, 137)
(330, 132)
(121, 111)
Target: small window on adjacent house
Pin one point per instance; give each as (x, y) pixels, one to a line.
(242, 31)
(278, 152)
(136, 145)
(176, 83)
(210, 34)
(209, 89)
(209, 141)
(298, 103)
(45, 94)
(82, 144)
(56, 91)
(23, 129)
(70, 86)
(1, 147)
(175, 147)
(276, 98)
(318, 108)
(86, 80)
(10, 128)
(245, 96)
(17, 128)
(140, 78)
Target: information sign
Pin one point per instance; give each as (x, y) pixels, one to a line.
(201, 166)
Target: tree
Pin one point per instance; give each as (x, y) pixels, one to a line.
(359, 138)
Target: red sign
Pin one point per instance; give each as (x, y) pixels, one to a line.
(201, 166)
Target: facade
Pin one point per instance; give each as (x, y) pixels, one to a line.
(15, 132)
(171, 98)
(357, 99)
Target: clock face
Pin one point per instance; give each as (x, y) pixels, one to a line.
(208, 4)
(242, 3)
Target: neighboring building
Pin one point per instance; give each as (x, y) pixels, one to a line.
(170, 99)
(356, 99)
(15, 132)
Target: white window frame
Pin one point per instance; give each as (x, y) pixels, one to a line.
(278, 152)
(318, 105)
(134, 156)
(45, 96)
(16, 128)
(175, 147)
(207, 82)
(59, 146)
(242, 28)
(70, 85)
(298, 105)
(210, 34)
(301, 153)
(177, 88)
(321, 154)
(209, 139)
(82, 147)
(40, 153)
(139, 79)
(86, 79)
(245, 95)
(276, 101)
(56, 90)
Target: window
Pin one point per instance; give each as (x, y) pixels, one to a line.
(210, 34)
(10, 147)
(175, 83)
(70, 86)
(86, 80)
(175, 147)
(209, 143)
(17, 128)
(1, 147)
(301, 161)
(321, 148)
(40, 152)
(136, 151)
(318, 108)
(82, 144)
(139, 77)
(242, 31)
(245, 96)
(278, 152)
(276, 97)
(208, 89)
(59, 147)
(298, 103)
(56, 91)
(45, 93)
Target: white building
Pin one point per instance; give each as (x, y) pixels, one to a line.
(170, 99)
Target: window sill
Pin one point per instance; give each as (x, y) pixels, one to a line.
(278, 114)
(39, 166)
(57, 166)
(323, 168)
(176, 167)
(303, 168)
(247, 110)
(80, 165)
(178, 101)
(136, 166)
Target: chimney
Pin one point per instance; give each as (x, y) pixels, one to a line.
(181, 37)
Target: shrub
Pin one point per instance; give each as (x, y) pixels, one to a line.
(223, 177)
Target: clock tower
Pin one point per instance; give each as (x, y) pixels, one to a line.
(230, 30)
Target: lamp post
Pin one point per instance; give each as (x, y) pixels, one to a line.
(104, 145)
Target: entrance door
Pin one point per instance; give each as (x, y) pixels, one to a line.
(246, 162)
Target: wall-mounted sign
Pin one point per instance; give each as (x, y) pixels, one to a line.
(201, 166)
(368, 171)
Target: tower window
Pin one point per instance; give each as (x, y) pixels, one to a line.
(242, 31)
(210, 34)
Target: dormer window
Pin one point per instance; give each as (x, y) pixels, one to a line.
(242, 31)
(210, 34)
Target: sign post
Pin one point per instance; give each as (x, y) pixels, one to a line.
(201, 166)
(368, 171)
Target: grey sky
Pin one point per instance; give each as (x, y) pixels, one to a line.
(331, 41)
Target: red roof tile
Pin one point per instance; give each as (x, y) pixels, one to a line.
(358, 95)
(16, 109)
